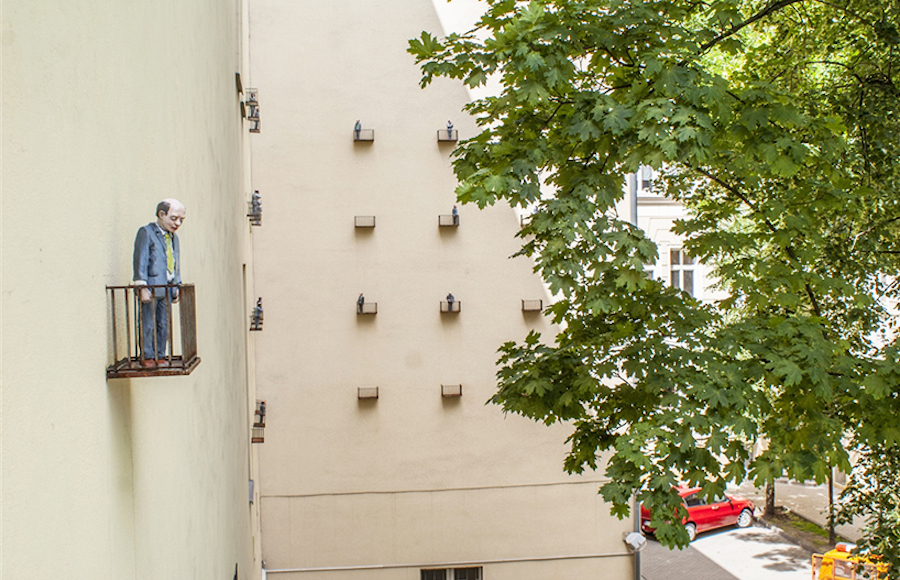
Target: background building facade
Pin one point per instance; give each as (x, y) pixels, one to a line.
(414, 479)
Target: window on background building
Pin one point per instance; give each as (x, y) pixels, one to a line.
(645, 178)
(451, 574)
(681, 268)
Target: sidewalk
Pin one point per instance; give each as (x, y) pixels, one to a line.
(661, 563)
(809, 501)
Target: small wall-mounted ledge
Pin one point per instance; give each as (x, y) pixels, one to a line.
(451, 390)
(448, 136)
(451, 307)
(532, 305)
(367, 308)
(448, 221)
(367, 393)
(364, 134)
(364, 221)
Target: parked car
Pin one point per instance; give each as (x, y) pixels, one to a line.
(728, 510)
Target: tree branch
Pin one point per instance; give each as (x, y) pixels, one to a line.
(788, 249)
(772, 8)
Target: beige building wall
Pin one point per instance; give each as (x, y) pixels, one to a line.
(108, 107)
(381, 488)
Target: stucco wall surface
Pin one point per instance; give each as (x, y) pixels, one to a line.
(108, 107)
(411, 476)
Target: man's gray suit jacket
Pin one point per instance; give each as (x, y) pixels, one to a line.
(150, 258)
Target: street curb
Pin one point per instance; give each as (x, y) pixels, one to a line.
(791, 538)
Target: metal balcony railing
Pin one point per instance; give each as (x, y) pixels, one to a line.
(448, 221)
(449, 135)
(451, 390)
(367, 393)
(258, 429)
(126, 335)
(364, 221)
(454, 307)
(532, 305)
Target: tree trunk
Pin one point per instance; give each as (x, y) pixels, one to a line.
(832, 537)
(770, 499)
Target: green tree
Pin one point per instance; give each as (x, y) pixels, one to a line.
(875, 498)
(775, 123)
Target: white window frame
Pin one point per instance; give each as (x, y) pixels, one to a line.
(682, 268)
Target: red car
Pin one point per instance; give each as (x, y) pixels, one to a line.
(702, 516)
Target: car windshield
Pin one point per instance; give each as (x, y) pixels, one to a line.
(693, 500)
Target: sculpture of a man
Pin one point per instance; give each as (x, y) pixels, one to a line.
(157, 260)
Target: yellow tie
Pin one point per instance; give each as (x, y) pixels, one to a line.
(170, 254)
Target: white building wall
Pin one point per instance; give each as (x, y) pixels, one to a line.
(108, 107)
(656, 216)
(411, 479)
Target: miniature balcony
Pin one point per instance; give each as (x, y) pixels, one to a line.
(367, 393)
(447, 136)
(367, 308)
(532, 305)
(451, 307)
(126, 336)
(364, 221)
(258, 431)
(259, 414)
(364, 135)
(451, 390)
(254, 125)
(254, 213)
(448, 221)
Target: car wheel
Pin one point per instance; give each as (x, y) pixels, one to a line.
(691, 530)
(745, 519)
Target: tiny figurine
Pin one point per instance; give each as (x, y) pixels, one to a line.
(262, 413)
(359, 303)
(450, 300)
(256, 319)
(455, 214)
(157, 261)
(256, 208)
(450, 130)
(357, 128)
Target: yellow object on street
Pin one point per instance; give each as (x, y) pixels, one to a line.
(842, 564)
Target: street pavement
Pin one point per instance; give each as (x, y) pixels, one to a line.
(807, 500)
(754, 553)
(660, 563)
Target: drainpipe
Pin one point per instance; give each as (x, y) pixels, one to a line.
(637, 528)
